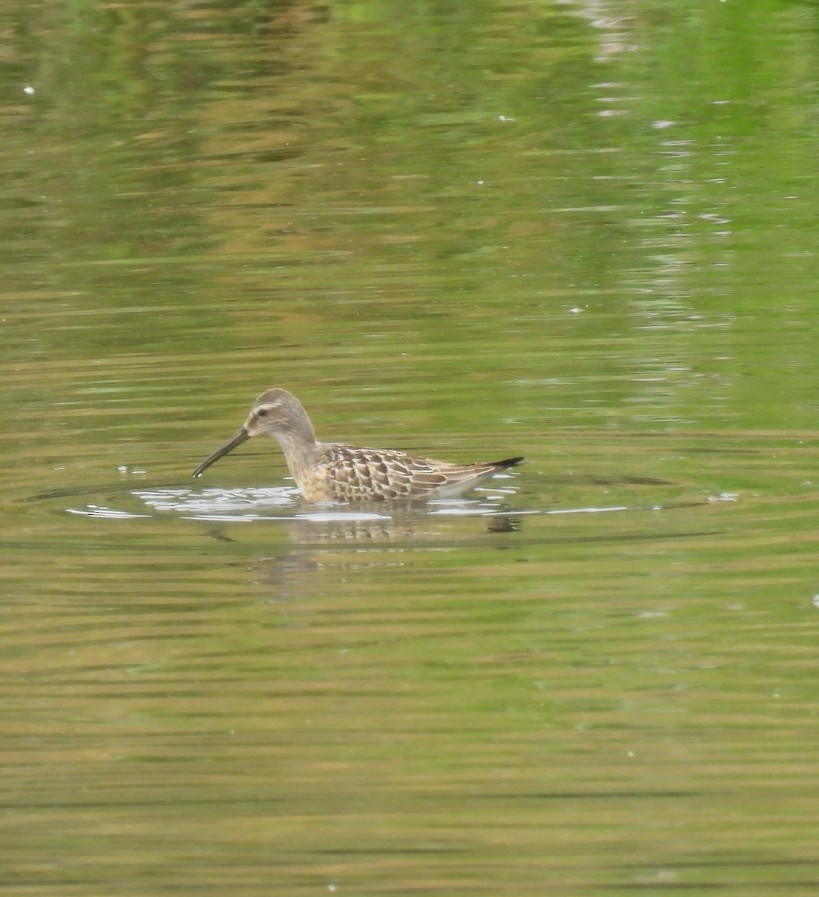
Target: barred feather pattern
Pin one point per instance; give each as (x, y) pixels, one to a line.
(352, 473)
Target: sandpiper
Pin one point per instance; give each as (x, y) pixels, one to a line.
(329, 471)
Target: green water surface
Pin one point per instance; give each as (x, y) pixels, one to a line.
(582, 232)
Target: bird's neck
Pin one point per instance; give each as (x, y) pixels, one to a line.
(299, 446)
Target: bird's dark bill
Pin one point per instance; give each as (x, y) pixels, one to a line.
(240, 437)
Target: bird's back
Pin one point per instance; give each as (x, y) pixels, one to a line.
(352, 473)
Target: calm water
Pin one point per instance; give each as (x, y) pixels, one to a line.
(581, 232)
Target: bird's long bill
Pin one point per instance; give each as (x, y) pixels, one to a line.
(241, 436)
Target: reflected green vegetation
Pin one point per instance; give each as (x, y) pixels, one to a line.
(191, 163)
(581, 232)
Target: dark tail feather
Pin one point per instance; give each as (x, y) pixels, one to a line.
(507, 462)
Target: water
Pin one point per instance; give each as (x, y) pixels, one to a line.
(567, 231)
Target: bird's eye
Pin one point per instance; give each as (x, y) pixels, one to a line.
(262, 412)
